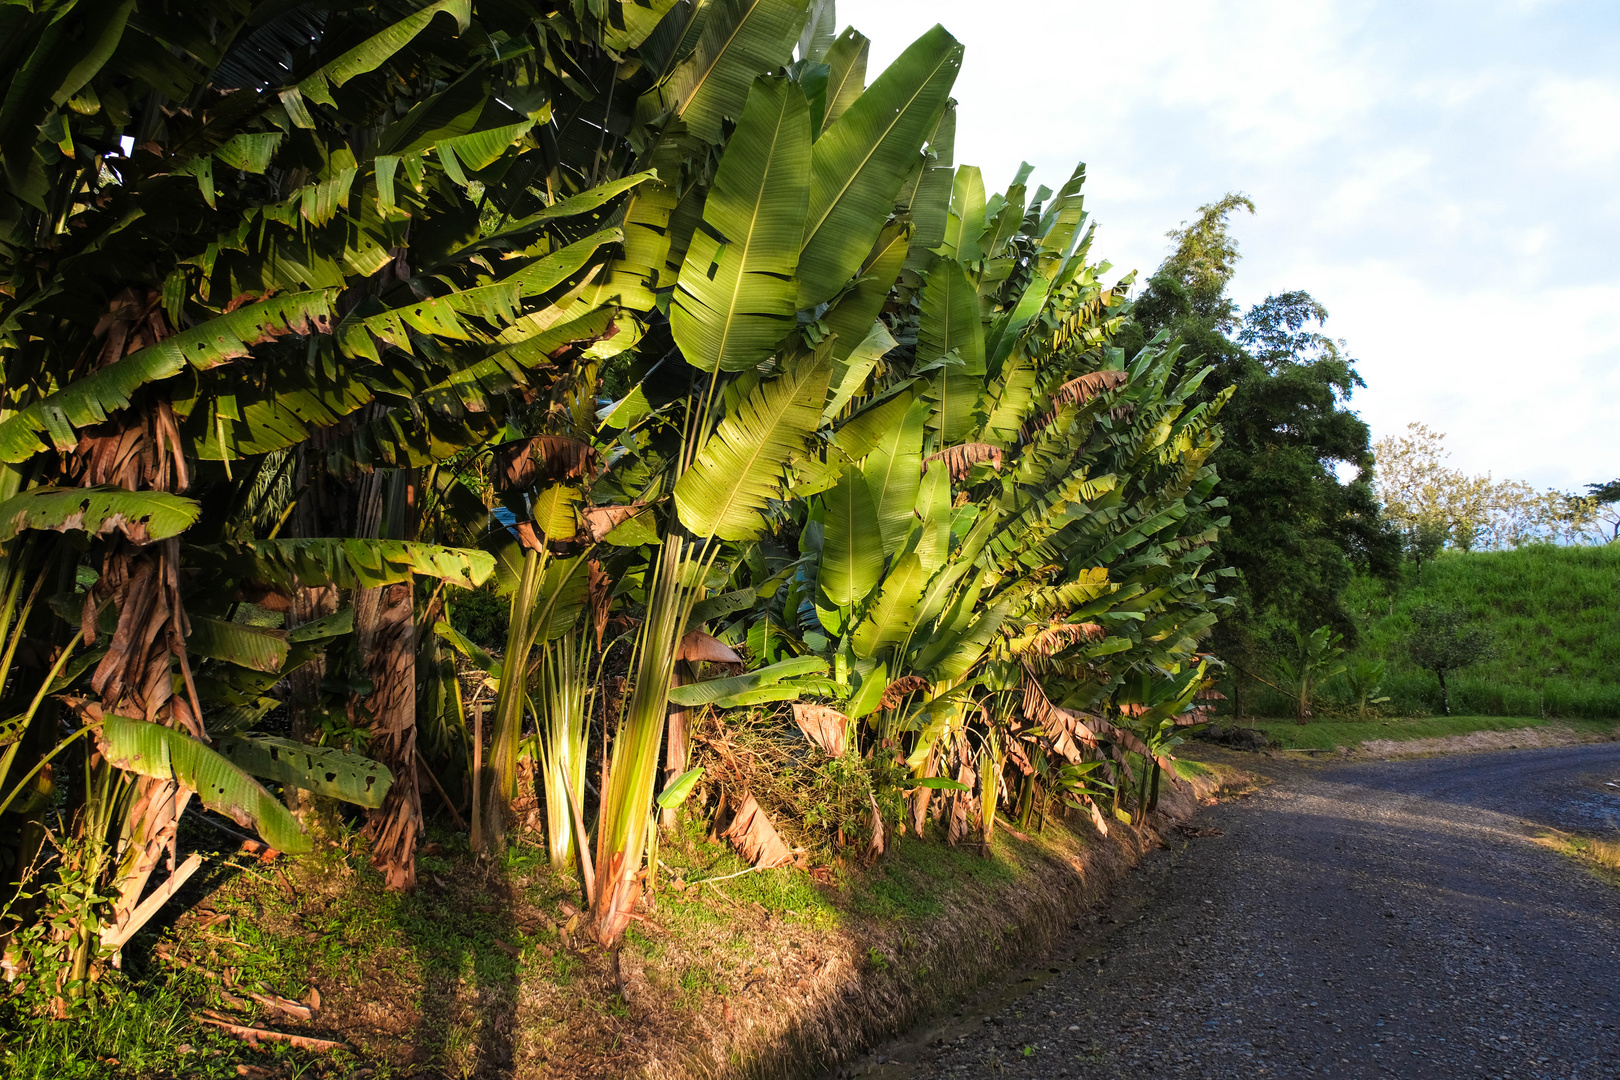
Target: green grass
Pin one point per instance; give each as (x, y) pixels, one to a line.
(1554, 613)
(1331, 734)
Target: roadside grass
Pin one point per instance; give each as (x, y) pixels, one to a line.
(1331, 734)
(1600, 855)
(483, 962)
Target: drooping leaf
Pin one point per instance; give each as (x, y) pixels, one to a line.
(141, 516)
(245, 646)
(350, 563)
(90, 399)
(325, 770)
(740, 467)
(712, 690)
(376, 50)
(168, 754)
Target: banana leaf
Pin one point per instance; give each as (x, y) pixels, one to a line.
(325, 770)
(142, 516)
(167, 754)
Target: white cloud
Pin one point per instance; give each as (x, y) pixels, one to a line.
(1441, 176)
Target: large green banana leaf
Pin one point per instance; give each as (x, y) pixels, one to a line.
(966, 223)
(894, 472)
(894, 616)
(817, 36)
(142, 516)
(741, 39)
(734, 300)
(246, 646)
(215, 341)
(167, 754)
(852, 541)
(950, 326)
(859, 163)
(712, 690)
(740, 467)
(846, 77)
(325, 770)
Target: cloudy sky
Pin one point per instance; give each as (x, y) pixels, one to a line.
(1443, 176)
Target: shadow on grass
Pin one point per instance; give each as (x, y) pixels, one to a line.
(467, 1002)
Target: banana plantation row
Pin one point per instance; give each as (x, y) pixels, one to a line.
(776, 409)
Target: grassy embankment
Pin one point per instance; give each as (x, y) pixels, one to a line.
(482, 970)
(1554, 614)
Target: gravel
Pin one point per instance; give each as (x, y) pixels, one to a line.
(1368, 920)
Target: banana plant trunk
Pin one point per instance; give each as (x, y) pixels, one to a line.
(385, 623)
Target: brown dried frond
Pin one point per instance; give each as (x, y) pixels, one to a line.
(542, 457)
(1059, 636)
(755, 838)
(1063, 731)
(1088, 386)
(895, 693)
(599, 593)
(875, 849)
(822, 725)
(697, 647)
(961, 459)
(598, 521)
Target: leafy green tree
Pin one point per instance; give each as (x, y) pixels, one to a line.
(1442, 640)
(1295, 532)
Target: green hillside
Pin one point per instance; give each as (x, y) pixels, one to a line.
(1553, 611)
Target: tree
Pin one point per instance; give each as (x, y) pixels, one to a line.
(1427, 499)
(1605, 502)
(1443, 640)
(1292, 530)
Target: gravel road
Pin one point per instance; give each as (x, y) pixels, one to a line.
(1355, 920)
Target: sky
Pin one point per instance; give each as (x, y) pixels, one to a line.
(1444, 177)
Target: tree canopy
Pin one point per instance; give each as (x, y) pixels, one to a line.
(1296, 530)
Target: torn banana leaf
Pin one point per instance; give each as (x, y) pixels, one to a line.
(324, 770)
(166, 754)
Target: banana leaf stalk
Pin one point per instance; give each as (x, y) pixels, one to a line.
(565, 695)
(627, 790)
(500, 782)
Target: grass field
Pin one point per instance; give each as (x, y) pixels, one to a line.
(1330, 734)
(1554, 613)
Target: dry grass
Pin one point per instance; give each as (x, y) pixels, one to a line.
(1599, 854)
(1552, 734)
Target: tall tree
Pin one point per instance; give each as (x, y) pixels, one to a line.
(1297, 529)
